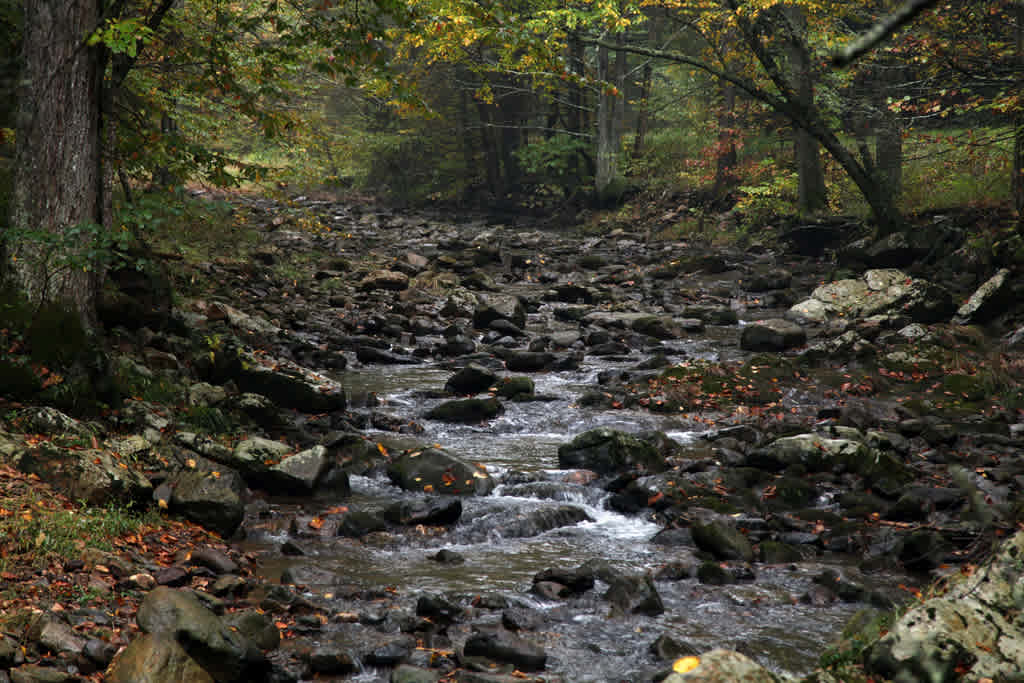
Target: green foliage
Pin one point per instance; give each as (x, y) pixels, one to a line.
(122, 35)
(555, 161)
(42, 534)
(763, 202)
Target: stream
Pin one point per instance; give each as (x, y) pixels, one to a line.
(763, 618)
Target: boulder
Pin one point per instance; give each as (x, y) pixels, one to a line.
(723, 541)
(390, 280)
(877, 292)
(156, 658)
(492, 306)
(820, 454)
(608, 451)
(469, 410)
(435, 470)
(772, 335)
(988, 301)
(504, 646)
(212, 499)
(724, 666)
(471, 379)
(634, 595)
(429, 511)
(974, 623)
(300, 473)
(219, 650)
(90, 475)
(287, 384)
(536, 522)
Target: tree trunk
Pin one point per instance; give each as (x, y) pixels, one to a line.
(725, 155)
(59, 183)
(610, 112)
(1018, 121)
(889, 154)
(812, 195)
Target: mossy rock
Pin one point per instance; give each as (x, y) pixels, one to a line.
(966, 387)
(794, 492)
(512, 387)
(774, 552)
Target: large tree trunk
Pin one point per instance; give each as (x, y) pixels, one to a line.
(59, 182)
(1018, 121)
(610, 113)
(725, 157)
(812, 195)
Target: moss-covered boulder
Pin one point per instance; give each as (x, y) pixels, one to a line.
(608, 451)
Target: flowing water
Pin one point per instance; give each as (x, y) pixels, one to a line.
(763, 619)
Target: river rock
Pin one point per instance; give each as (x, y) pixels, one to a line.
(634, 594)
(530, 361)
(576, 581)
(880, 291)
(504, 646)
(411, 674)
(516, 388)
(819, 454)
(384, 279)
(471, 410)
(725, 666)
(433, 469)
(723, 541)
(287, 384)
(212, 499)
(92, 476)
(988, 301)
(536, 522)
(373, 355)
(300, 473)
(156, 658)
(254, 458)
(429, 511)
(471, 379)
(608, 451)
(772, 335)
(218, 649)
(492, 306)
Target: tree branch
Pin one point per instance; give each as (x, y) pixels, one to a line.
(882, 29)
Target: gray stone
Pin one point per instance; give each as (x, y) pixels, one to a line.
(772, 335)
(92, 476)
(721, 540)
(608, 451)
(725, 666)
(435, 470)
(988, 301)
(300, 473)
(212, 499)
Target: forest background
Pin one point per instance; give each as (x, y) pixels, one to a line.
(541, 108)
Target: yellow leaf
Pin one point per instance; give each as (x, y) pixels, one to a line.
(685, 664)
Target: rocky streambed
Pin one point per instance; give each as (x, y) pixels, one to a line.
(485, 452)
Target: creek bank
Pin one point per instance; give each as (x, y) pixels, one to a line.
(803, 462)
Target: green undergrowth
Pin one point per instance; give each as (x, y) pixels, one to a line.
(36, 533)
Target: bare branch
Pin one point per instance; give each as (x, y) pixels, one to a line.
(882, 29)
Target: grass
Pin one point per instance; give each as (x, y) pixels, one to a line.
(38, 529)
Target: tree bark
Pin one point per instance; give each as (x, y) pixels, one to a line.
(610, 113)
(1018, 121)
(812, 195)
(59, 182)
